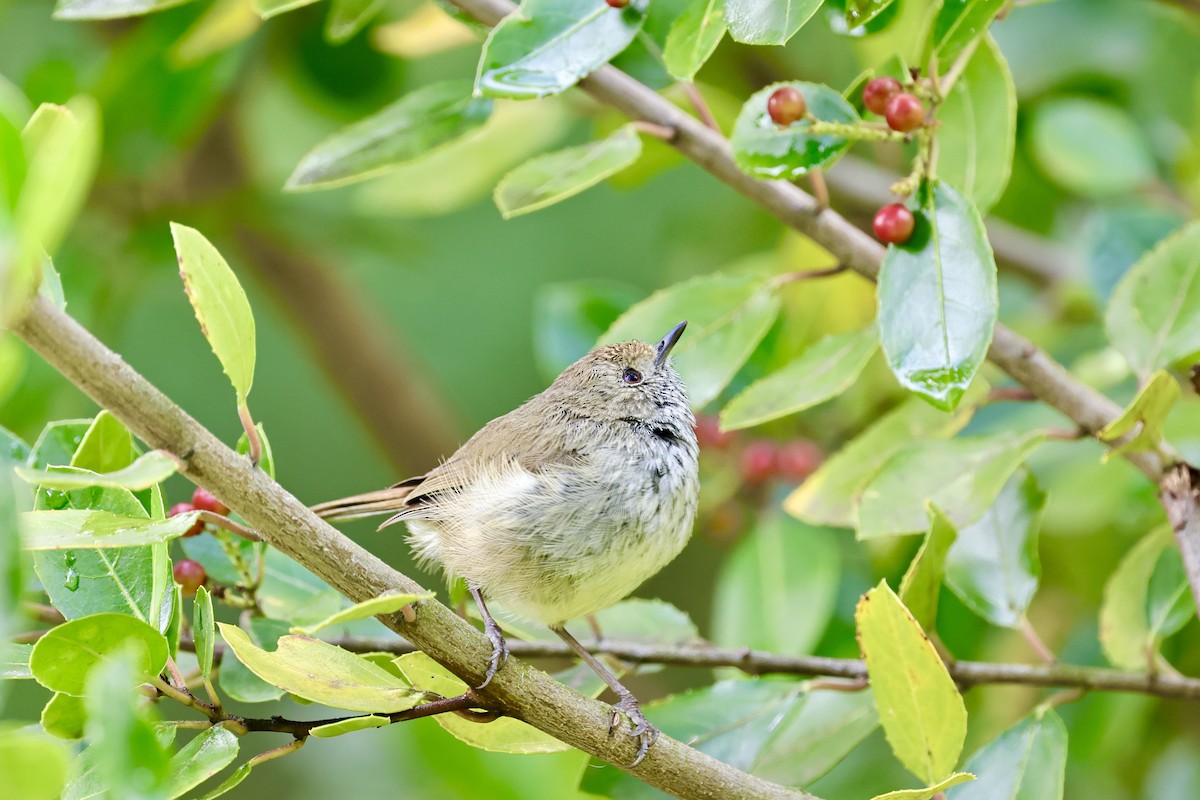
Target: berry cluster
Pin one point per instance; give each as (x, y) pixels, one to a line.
(190, 574)
(904, 112)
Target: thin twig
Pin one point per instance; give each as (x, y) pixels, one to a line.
(225, 523)
(1181, 500)
(805, 275)
(703, 111)
(251, 433)
(1035, 642)
(816, 179)
(756, 662)
(663, 132)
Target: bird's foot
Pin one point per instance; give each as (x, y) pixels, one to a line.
(646, 733)
(499, 650)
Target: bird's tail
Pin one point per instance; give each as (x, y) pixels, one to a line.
(384, 501)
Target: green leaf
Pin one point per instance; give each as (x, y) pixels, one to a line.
(32, 765)
(14, 660)
(772, 729)
(349, 726)
(64, 716)
(993, 566)
(203, 632)
(504, 735)
(417, 124)
(131, 761)
(148, 470)
(208, 753)
(1153, 318)
(977, 130)
(546, 46)
(58, 441)
(1026, 762)
(1169, 603)
(111, 9)
(1125, 632)
(63, 657)
(220, 304)
(1149, 408)
(922, 580)
(386, 603)
(63, 144)
(961, 476)
(273, 8)
(860, 12)
(728, 315)
(694, 36)
(1090, 147)
(230, 783)
(238, 682)
(322, 673)
(107, 446)
(75, 528)
(767, 21)
(937, 298)
(958, 23)
(829, 495)
(766, 149)
(919, 706)
(929, 791)
(348, 17)
(1115, 239)
(291, 592)
(823, 372)
(553, 177)
(782, 566)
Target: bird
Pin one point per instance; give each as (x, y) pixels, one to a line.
(565, 505)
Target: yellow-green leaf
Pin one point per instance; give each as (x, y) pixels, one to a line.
(203, 630)
(384, 604)
(822, 372)
(929, 791)
(72, 528)
(504, 735)
(923, 580)
(1150, 407)
(149, 469)
(319, 672)
(349, 726)
(1125, 631)
(220, 303)
(32, 765)
(62, 659)
(921, 711)
(64, 716)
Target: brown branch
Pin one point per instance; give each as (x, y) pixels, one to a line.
(364, 362)
(757, 662)
(301, 728)
(287, 524)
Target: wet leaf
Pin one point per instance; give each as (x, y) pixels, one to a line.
(765, 149)
(937, 298)
(768, 21)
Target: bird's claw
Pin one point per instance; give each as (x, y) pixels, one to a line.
(646, 733)
(499, 651)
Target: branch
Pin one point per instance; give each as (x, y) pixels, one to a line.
(757, 662)
(1181, 500)
(285, 523)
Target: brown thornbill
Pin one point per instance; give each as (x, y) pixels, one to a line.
(564, 506)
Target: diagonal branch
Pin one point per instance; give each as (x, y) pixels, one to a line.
(285, 523)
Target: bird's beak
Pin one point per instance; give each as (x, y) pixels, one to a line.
(664, 347)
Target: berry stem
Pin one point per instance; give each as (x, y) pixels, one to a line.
(862, 131)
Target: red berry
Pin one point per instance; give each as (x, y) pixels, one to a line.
(878, 91)
(189, 575)
(709, 433)
(617, 3)
(203, 500)
(786, 105)
(183, 508)
(758, 461)
(798, 459)
(904, 112)
(893, 224)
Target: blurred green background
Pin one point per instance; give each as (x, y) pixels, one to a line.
(453, 303)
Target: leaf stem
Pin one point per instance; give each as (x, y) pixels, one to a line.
(251, 432)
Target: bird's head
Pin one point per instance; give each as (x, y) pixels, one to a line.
(630, 381)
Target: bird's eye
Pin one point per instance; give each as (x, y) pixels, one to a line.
(631, 376)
